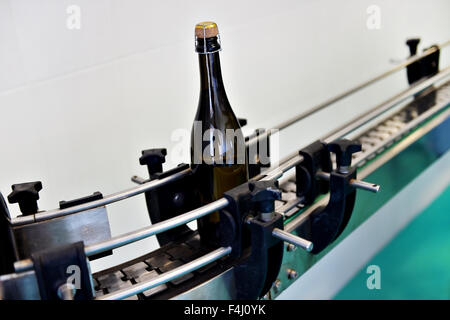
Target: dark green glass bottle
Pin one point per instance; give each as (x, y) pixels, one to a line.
(218, 154)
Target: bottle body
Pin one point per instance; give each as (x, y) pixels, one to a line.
(218, 155)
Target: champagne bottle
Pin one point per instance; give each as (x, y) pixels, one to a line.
(218, 154)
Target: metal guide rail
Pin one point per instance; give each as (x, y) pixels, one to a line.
(391, 167)
(374, 141)
(170, 257)
(257, 218)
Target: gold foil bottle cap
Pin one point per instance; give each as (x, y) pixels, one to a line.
(207, 29)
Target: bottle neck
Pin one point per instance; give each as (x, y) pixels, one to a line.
(211, 74)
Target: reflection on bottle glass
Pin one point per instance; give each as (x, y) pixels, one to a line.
(217, 143)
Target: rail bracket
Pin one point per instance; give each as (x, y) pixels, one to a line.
(326, 223)
(8, 246)
(258, 152)
(259, 253)
(255, 275)
(425, 67)
(316, 157)
(169, 200)
(58, 267)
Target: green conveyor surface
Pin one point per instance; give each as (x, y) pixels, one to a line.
(415, 264)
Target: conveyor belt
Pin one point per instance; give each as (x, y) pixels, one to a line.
(374, 140)
(171, 256)
(386, 132)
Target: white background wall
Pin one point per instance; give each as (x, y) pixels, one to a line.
(77, 106)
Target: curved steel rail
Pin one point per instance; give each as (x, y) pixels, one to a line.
(147, 186)
(168, 276)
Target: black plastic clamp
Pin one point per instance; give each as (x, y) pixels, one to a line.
(326, 223)
(63, 204)
(26, 195)
(316, 157)
(258, 152)
(424, 67)
(8, 249)
(259, 253)
(172, 199)
(63, 273)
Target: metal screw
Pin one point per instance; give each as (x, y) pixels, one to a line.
(277, 285)
(266, 216)
(178, 199)
(292, 274)
(66, 291)
(291, 247)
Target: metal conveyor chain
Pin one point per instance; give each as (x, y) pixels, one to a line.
(374, 140)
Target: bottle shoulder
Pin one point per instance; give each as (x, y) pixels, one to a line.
(217, 112)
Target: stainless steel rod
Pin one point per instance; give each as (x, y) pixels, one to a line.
(344, 94)
(138, 180)
(365, 171)
(372, 187)
(274, 173)
(293, 239)
(277, 172)
(130, 237)
(159, 227)
(323, 105)
(23, 265)
(360, 120)
(271, 174)
(46, 215)
(168, 276)
(286, 163)
(146, 232)
(122, 240)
